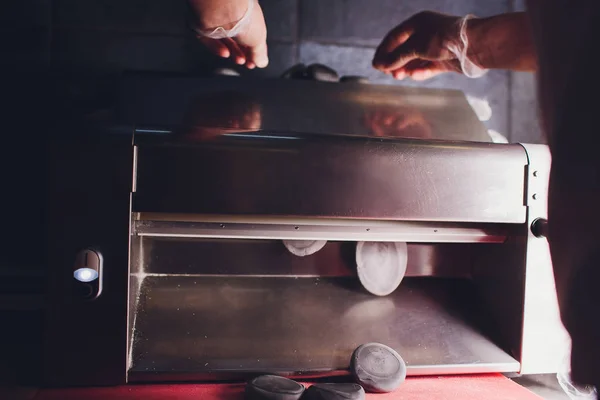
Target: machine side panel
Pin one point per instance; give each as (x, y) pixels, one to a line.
(88, 197)
(545, 342)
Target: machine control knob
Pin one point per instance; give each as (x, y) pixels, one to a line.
(87, 274)
(539, 227)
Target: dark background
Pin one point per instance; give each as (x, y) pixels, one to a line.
(108, 36)
(59, 57)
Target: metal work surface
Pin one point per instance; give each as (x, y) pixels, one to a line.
(333, 177)
(201, 108)
(211, 327)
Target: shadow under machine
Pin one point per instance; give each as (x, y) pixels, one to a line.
(170, 234)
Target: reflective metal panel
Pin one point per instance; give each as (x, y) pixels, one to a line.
(202, 108)
(215, 327)
(333, 176)
(516, 283)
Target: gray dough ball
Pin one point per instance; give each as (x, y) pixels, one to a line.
(377, 368)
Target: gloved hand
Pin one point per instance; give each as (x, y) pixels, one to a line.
(420, 47)
(249, 46)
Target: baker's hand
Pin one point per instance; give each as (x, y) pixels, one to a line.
(418, 47)
(249, 46)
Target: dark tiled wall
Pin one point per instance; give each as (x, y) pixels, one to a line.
(110, 35)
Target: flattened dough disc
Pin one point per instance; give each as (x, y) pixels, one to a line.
(381, 266)
(273, 387)
(334, 391)
(302, 248)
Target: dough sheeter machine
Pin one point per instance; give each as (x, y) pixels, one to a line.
(166, 232)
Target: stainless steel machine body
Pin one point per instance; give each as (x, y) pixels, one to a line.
(188, 202)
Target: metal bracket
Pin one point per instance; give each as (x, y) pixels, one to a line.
(544, 339)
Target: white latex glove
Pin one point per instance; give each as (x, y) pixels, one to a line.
(248, 44)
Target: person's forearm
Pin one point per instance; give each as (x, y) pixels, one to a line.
(502, 42)
(210, 14)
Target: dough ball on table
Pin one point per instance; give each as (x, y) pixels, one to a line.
(381, 266)
(334, 391)
(297, 71)
(322, 73)
(302, 248)
(273, 387)
(377, 368)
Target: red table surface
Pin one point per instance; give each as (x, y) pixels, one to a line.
(489, 387)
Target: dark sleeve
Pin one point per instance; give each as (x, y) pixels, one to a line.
(566, 35)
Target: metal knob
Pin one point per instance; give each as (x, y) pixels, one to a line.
(539, 227)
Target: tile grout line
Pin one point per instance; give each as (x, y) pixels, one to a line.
(509, 101)
(295, 40)
(50, 32)
(126, 32)
(333, 42)
(83, 28)
(509, 83)
(297, 33)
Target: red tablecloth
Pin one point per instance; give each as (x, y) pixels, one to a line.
(488, 387)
